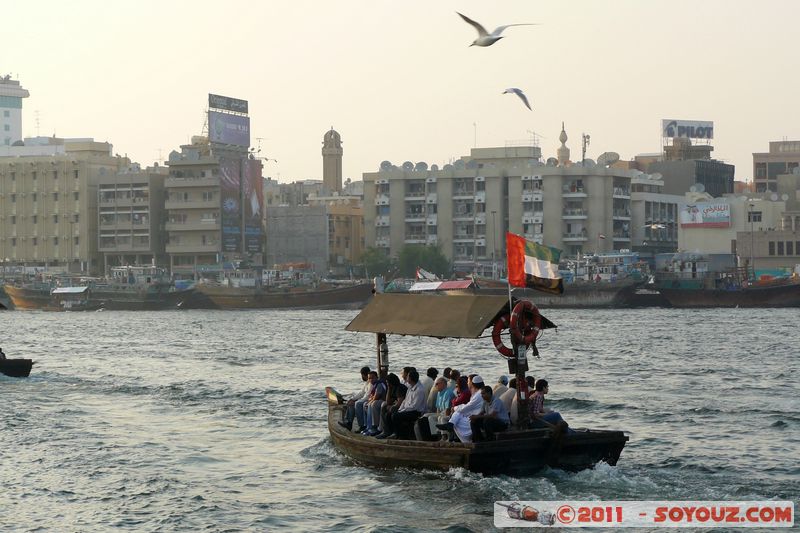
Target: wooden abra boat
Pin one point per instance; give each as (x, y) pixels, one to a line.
(16, 368)
(519, 451)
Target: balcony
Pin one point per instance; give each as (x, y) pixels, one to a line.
(622, 236)
(622, 192)
(191, 204)
(574, 237)
(382, 199)
(572, 191)
(192, 226)
(463, 237)
(480, 197)
(535, 237)
(193, 248)
(431, 220)
(416, 238)
(532, 217)
(415, 196)
(432, 239)
(621, 214)
(463, 193)
(174, 183)
(532, 196)
(381, 221)
(574, 214)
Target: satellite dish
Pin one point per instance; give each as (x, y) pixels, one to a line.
(459, 164)
(434, 167)
(773, 197)
(589, 163)
(472, 164)
(700, 187)
(448, 166)
(607, 158)
(422, 165)
(656, 176)
(408, 165)
(552, 162)
(386, 165)
(784, 197)
(693, 188)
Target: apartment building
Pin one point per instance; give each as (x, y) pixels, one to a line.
(131, 217)
(48, 202)
(654, 215)
(466, 207)
(783, 157)
(11, 95)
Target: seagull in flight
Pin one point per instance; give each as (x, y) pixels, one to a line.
(518, 92)
(654, 226)
(485, 38)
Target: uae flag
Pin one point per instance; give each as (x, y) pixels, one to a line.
(533, 265)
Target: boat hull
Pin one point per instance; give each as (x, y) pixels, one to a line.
(520, 453)
(576, 295)
(250, 298)
(754, 296)
(16, 368)
(120, 300)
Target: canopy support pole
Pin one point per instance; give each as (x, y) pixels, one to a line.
(382, 350)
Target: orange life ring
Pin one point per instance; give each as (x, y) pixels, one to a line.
(523, 329)
(499, 326)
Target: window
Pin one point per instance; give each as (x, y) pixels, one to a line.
(35, 219)
(780, 247)
(34, 197)
(55, 174)
(13, 219)
(208, 196)
(55, 196)
(76, 241)
(771, 248)
(55, 241)
(13, 176)
(55, 219)
(13, 198)
(35, 241)
(75, 217)
(797, 247)
(6, 113)
(6, 127)
(75, 174)
(789, 247)
(76, 195)
(34, 175)
(754, 216)
(13, 241)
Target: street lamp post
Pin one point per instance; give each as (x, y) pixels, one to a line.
(494, 246)
(752, 265)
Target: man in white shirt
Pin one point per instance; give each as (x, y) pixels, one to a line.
(459, 422)
(411, 409)
(492, 418)
(357, 400)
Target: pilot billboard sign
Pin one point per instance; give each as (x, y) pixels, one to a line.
(687, 129)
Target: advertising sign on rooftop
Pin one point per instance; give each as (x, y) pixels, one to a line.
(227, 103)
(687, 129)
(224, 128)
(706, 215)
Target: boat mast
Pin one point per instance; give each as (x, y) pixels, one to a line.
(522, 386)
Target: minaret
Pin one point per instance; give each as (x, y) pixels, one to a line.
(11, 95)
(563, 151)
(332, 161)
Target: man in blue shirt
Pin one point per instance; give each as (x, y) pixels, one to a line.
(492, 418)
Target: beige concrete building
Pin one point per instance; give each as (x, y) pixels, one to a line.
(11, 95)
(466, 207)
(332, 162)
(345, 220)
(131, 217)
(654, 215)
(783, 157)
(48, 203)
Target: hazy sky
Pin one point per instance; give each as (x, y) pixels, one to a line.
(398, 79)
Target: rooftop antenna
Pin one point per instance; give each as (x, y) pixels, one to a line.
(160, 158)
(259, 139)
(586, 138)
(37, 122)
(535, 137)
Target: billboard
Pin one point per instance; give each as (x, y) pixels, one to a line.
(226, 102)
(224, 128)
(706, 215)
(253, 206)
(688, 129)
(230, 196)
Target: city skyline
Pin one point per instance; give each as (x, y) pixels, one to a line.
(403, 83)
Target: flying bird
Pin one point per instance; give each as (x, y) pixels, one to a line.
(654, 226)
(485, 38)
(518, 92)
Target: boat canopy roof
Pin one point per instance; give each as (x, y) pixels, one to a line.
(463, 316)
(70, 290)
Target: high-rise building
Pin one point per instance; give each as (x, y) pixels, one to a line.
(332, 162)
(11, 95)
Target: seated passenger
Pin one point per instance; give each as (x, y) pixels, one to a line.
(454, 377)
(426, 426)
(509, 396)
(350, 411)
(540, 415)
(394, 398)
(492, 418)
(459, 422)
(427, 380)
(376, 398)
(412, 407)
(501, 386)
(462, 392)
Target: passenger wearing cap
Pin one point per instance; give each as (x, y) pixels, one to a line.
(501, 386)
(459, 422)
